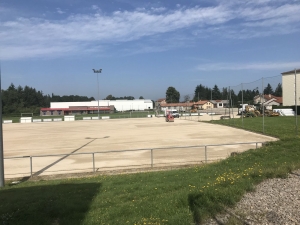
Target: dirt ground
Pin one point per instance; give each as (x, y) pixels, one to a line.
(108, 139)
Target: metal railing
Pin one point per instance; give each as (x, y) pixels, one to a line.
(120, 151)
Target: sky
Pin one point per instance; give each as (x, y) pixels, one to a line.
(144, 47)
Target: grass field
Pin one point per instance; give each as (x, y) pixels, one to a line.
(183, 196)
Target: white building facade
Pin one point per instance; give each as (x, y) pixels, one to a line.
(291, 88)
(120, 105)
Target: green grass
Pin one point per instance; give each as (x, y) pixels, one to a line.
(281, 126)
(184, 196)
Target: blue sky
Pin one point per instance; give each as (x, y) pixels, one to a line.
(143, 47)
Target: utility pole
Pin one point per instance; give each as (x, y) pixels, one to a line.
(1, 140)
(98, 71)
(296, 104)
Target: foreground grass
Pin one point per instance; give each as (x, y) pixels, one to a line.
(185, 196)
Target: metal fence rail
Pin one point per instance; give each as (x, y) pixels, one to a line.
(150, 150)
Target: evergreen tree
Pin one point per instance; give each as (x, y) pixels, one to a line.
(202, 92)
(216, 94)
(27, 99)
(278, 90)
(268, 90)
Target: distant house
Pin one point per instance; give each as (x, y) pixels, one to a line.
(181, 107)
(160, 101)
(220, 103)
(204, 104)
(268, 100)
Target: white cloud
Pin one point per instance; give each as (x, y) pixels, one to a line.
(248, 66)
(157, 10)
(59, 11)
(95, 7)
(254, 18)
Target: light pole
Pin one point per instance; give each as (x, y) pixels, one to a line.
(1, 140)
(98, 71)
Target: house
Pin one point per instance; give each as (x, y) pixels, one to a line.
(291, 86)
(204, 104)
(220, 103)
(160, 101)
(268, 100)
(181, 107)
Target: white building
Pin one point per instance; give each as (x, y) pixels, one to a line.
(120, 105)
(288, 88)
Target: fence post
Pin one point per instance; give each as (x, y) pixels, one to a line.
(31, 166)
(151, 158)
(205, 154)
(93, 162)
(256, 145)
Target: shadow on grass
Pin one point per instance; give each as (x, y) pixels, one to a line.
(202, 204)
(47, 204)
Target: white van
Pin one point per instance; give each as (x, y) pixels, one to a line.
(174, 112)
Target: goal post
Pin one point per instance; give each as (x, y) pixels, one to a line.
(26, 114)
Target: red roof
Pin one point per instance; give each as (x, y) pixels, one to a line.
(184, 104)
(269, 97)
(76, 109)
(201, 102)
(161, 100)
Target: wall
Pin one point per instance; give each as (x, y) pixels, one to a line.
(288, 89)
(120, 105)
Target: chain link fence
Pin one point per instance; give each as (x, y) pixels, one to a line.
(262, 98)
(35, 165)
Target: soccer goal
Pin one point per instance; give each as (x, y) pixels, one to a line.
(26, 114)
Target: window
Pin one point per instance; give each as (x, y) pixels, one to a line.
(59, 112)
(44, 113)
(220, 104)
(51, 112)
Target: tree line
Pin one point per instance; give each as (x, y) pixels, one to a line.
(205, 93)
(16, 100)
(111, 97)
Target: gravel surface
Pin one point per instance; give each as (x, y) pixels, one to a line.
(274, 201)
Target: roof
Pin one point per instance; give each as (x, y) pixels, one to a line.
(201, 102)
(272, 100)
(76, 109)
(184, 104)
(217, 101)
(269, 97)
(291, 72)
(161, 99)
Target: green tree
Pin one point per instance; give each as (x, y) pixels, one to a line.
(110, 97)
(278, 90)
(216, 94)
(141, 97)
(201, 93)
(224, 94)
(268, 90)
(233, 98)
(27, 99)
(186, 98)
(172, 95)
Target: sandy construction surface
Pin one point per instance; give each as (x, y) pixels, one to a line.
(49, 138)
